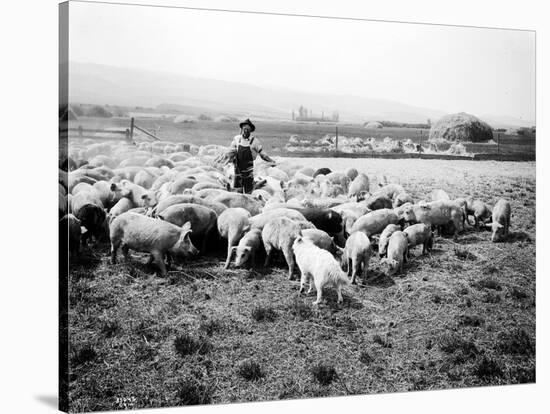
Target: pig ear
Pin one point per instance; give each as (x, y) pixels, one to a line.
(83, 230)
(186, 227)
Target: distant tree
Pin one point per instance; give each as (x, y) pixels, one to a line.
(293, 115)
(98, 112)
(119, 112)
(204, 117)
(429, 122)
(77, 110)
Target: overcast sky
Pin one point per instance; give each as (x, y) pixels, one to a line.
(481, 71)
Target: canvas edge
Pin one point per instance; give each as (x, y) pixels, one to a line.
(63, 263)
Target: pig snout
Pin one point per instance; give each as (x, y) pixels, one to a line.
(187, 248)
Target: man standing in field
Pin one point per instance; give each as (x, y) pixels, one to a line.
(246, 148)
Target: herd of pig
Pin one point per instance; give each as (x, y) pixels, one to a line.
(164, 201)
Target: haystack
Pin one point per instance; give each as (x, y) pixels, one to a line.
(461, 127)
(373, 125)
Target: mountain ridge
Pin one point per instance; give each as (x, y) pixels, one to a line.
(103, 84)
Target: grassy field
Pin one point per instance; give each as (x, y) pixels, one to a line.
(275, 135)
(461, 316)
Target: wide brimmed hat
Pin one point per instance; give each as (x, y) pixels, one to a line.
(249, 123)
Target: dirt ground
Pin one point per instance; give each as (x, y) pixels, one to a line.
(460, 316)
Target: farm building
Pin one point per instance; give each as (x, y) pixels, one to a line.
(461, 127)
(373, 125)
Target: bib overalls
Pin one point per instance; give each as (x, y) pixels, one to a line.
(244, 169)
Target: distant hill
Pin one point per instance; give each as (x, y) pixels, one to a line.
(506, 121)
(102, 84)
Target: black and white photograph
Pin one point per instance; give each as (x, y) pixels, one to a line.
(274, 206)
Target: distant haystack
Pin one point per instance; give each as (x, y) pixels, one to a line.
(183, 119)
(461, 127)
(373, 125)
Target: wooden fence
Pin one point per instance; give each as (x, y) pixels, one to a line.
(125, 134)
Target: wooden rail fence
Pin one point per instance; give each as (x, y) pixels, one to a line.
(126, 134)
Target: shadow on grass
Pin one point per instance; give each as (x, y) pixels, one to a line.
(330, 300)
(258, 273)
(435, 252)
(352, 302)
(472, 237)
(378, 279)
(86, 258)
(518, 236)
(417, 260)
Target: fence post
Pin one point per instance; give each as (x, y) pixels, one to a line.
(336, 140)
(132, 128)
